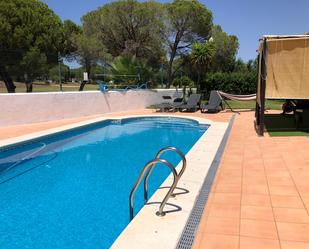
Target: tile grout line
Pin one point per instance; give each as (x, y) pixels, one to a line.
(299, 195)
(295, 185)
(272, 208)
(297, 188)
(241, 195)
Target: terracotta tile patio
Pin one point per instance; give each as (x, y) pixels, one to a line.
(262, 186)
(260, 197)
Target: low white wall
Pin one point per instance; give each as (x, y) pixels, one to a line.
(22, 108)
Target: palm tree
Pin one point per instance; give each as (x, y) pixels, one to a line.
(201, 57)
(130, 70)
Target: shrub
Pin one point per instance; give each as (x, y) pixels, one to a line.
(184, 82)
(235, 83)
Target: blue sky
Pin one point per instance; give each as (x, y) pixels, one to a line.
(247, 19)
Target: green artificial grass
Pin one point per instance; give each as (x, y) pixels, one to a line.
(283, 125)
(270, 104)
(298, 133)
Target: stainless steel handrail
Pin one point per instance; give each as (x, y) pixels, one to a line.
(152, 163)
(184, 164)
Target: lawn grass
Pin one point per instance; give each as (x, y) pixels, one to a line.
(43, 87)
(269, 105)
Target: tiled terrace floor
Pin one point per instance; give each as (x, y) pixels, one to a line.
(260, 199)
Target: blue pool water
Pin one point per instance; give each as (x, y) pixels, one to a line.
(70, 190)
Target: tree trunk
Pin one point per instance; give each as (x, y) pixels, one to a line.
(9, 84)
(88, 70)
(82, 85)
(170, 69)
(174, 47)
(29, 87)
(198, 85)
(184, 92)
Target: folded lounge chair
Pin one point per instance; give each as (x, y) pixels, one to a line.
(168, 106)
(192, 103)
(214, 104)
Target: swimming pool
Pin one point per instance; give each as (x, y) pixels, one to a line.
(70, 190)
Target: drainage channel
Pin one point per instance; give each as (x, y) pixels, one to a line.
(188, 235)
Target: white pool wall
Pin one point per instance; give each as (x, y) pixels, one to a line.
(25, 108)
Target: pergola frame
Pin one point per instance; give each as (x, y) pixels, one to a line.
(260, 96)
(275, 87)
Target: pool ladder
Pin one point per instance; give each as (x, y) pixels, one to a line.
(147, 170)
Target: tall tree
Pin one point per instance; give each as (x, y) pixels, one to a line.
(33, 63)
(28, 30)
(240, 66)
(187, 22)
(226, 50)
(89, 51)
(128, 28)
(53, 73)
(69, 46)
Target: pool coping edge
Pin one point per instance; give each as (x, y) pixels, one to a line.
(47, 132)
(190, 231)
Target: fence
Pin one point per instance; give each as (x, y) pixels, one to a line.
(32, 71)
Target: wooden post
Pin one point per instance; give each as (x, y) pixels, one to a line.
(262, 89)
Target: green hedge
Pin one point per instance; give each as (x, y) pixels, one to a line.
(235, 83)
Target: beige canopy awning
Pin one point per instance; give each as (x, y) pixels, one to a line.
(283, 71)
(287, 66)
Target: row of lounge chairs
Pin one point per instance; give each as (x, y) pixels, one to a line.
(193, 104)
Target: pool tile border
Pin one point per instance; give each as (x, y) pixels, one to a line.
(15, 141)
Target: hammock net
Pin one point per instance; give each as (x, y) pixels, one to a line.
(238, 97)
